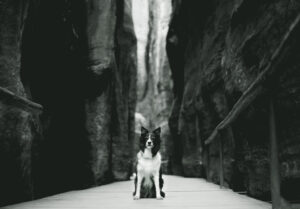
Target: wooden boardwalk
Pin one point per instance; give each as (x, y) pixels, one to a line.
(183, 193)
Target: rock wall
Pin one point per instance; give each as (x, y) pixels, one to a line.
(125, 93)
(154, 83)
(216, 50)
(78, 60)
(17, 124)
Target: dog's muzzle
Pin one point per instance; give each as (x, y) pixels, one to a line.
(149, 143)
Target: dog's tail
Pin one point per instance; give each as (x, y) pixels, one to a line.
(133, 176)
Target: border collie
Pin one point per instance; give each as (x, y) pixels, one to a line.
(148, 180)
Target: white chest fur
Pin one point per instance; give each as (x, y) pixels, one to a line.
(148, 166)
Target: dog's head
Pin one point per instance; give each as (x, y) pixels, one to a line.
(150, 140)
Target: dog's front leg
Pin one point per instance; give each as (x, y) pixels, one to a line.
(157, 188)
(138, 187)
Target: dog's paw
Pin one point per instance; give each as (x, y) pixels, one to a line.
(136, 197)
(159, 197)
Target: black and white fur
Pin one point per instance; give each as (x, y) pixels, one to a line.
(148, 180)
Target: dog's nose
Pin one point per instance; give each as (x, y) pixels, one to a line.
(149, 143)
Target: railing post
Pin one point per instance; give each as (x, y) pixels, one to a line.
(207, 162)
(199, 146)
(198, 138)
(274, 163)
(221, 167)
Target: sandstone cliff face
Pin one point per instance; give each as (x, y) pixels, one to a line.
(79, 62)
(216, 50)
(17, 124)
(154, 83)
(125, 93)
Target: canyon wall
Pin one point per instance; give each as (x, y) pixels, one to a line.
(151, 19)
(216, 50)
(154, 83)
(78, 60)
(18, 125)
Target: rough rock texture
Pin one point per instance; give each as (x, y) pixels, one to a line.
(125, 93)
(17, 131)
(101, 24)
(216, 49)
(79, 62)
(140, 15)
(17, 125)
(110, 114)
(154, 83)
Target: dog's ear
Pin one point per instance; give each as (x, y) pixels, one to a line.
(157, 131)
(156, 147)
(143, 130)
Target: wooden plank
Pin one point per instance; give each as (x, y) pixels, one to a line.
(180, 193)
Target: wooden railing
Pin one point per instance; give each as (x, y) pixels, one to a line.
(19, 101)
(251, 93)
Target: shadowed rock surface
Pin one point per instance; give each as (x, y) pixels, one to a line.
(216, 50)
(17, 126)
(79, 62)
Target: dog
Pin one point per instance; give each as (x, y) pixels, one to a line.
(148, 180)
